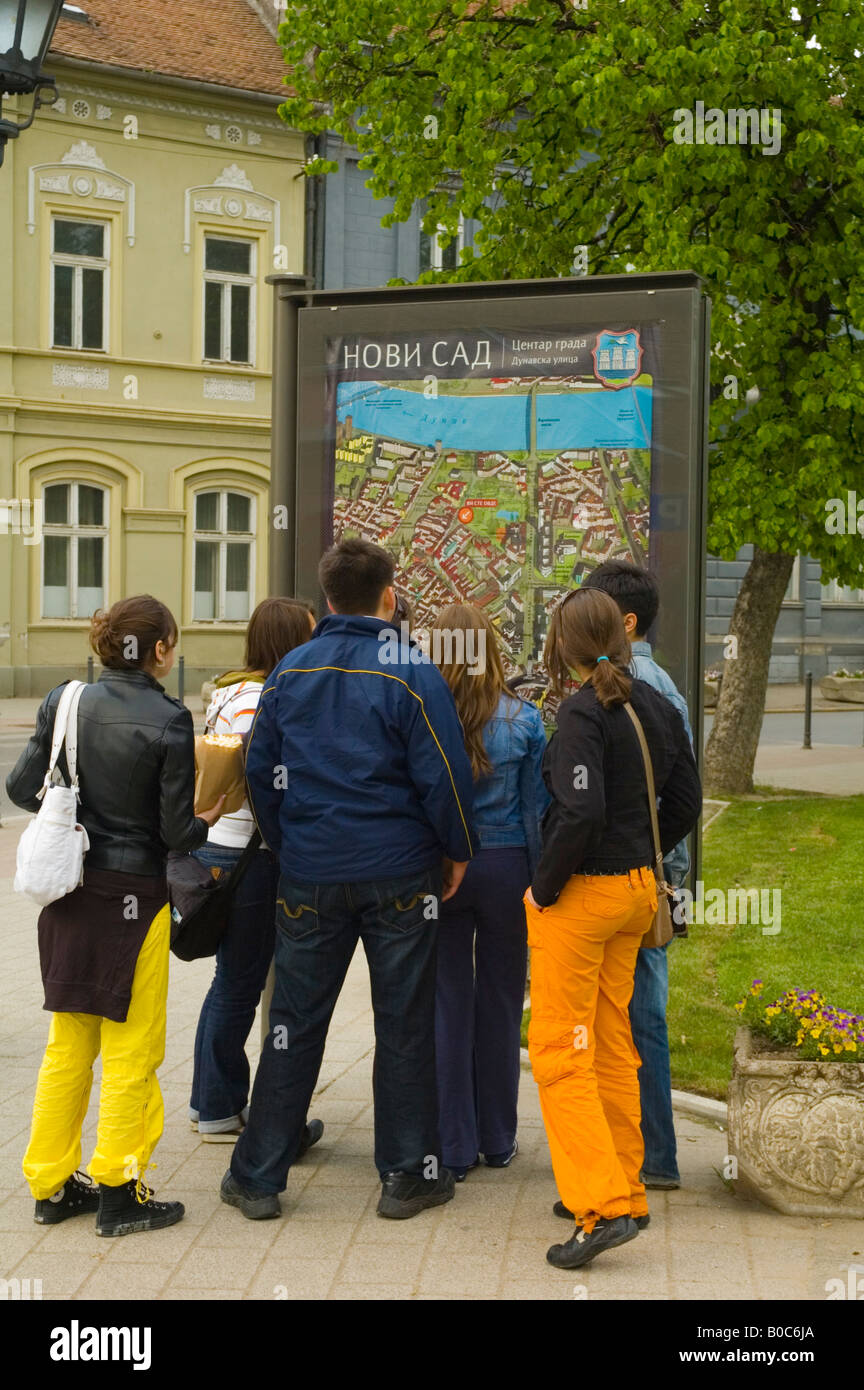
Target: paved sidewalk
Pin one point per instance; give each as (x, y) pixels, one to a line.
(489, 1243)
(829, 768)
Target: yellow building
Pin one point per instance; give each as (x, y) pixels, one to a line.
(138, 219)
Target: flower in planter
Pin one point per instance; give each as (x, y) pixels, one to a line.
(803, 1020)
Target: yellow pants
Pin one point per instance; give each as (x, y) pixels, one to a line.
(583, 956)
(131, 1111)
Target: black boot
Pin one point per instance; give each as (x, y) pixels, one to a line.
(124, 1210)
(407, 1194)
(559, 1209)
(580, 1249)
(78, 1196)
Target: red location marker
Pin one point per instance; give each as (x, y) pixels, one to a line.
(466, 514)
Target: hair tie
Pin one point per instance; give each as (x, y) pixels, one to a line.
(602, 658)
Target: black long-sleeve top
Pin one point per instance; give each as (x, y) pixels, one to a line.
(599, 819)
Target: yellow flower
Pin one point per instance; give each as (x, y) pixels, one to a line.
(823, 1050)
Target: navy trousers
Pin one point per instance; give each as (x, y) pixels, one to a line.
(482, 965)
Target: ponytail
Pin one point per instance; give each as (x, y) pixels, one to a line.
(587, 630)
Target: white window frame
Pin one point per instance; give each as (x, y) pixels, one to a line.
(74, 532)
(223, 538)
(436, 253)
(832, 593)
(228, 278)
(79, 264)
(794, 583)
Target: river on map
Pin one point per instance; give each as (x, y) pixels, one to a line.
(585, 420)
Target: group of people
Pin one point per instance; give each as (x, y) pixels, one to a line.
(415, 805)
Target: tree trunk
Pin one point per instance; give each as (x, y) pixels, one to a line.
(731, 750)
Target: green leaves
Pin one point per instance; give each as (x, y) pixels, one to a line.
(556, 127)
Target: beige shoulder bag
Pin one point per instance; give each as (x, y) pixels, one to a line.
(661, 929)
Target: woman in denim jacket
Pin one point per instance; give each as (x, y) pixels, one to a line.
(482, 951)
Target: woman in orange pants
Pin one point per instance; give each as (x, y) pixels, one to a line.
(591, 900)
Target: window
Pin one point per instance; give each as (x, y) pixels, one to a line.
(80, 254)
(229, 300)
(223, 561)
(832, 592)
(435, 256)
(793, 588)
(74, 551)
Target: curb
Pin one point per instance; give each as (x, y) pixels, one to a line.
(684, 1102)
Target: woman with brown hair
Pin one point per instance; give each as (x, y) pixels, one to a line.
(482, 955)
(592, 898)
(220, 1084)
(104, 947)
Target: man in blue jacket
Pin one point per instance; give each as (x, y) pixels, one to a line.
(636, 594)
(361, 786)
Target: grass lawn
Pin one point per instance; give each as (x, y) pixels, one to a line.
(812, 849)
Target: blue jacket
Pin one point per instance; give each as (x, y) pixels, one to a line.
(356, 762)
(643, 666)
(509, 801)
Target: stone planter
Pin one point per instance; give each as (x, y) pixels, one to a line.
(797, 1130)
(711, 692)
(843, 688)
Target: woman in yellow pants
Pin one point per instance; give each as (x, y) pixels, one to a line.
(591, 900)
(104, 947)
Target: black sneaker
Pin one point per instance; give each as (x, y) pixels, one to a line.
(580, 1249)
(79, 1196)
(125, 1210)
(256, 1206)
(559, 1209)
(407, 1194)
(502, 1160)
(311, 1134)
(460, 1174)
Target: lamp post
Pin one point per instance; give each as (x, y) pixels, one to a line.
(26, 30)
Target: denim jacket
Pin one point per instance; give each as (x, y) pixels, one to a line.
(645, 668)
(509, 801)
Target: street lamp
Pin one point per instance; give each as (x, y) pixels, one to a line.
(26, 30)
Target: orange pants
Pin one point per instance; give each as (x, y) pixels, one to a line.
(583, 955)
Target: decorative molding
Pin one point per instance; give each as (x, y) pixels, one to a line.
(224, 388)
(103, 113)
(214, 131)
(209, 199)
(81, 109)
(84, 378)
(252, 137)
(82, 153)
(180, 108)
(55, 178)
(60, 106)
(233, 176)
(55, 183)
(256, 212)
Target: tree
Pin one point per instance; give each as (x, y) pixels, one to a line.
(563, 127)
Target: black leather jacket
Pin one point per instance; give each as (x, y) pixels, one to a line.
(136, 772)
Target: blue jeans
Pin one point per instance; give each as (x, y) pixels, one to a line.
(651, 1038)
(220, 1083)
(317, 930)
(482, 965)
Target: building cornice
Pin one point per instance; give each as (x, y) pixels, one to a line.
(137, 77)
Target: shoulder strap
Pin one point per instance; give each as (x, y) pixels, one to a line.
(652, 794)
(72, 735)
(71, 695)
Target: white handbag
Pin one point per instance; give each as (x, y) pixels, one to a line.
(50, 860)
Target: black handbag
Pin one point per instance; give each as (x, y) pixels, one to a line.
(200, 903)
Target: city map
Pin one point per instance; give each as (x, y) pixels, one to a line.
(499, 492)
